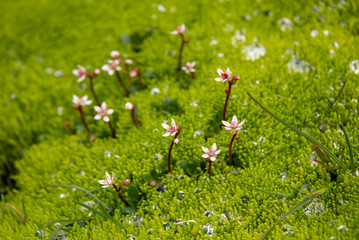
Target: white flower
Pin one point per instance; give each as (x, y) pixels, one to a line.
(179, 30)
(354, 66)
(171, 130)
(80, 72)
(82, 101)
(112, 66)
(129, 106)
(224, 76)
(177, 141)
(108, 181)
(211, 153)
(189, 67)
(115, 54)
(128, 61)
(155, 91)
(234, 126)
(103, 112)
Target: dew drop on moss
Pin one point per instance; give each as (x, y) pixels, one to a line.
(180, 195)
(208, 229)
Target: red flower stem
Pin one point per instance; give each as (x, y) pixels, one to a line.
(93, 91)
(180, 53)
(113, 133)
(227, 98)
(192, 75)
(133, 116)
(209, 166)
(170, 151)
(140, 80)
(121, 82)
(119, 195)
(83, 120)
(67, 124)
(128, 76)
(230, 149)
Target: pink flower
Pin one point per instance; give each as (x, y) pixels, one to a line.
(80, 72)
(224, 76)
(103, 112)
(115, 54)
(108, 181)
(179, 30)
(189, 67)
(171, 130)
(212, 153)
(82, 101)
(134, 72)
(234, 126)
(112, 66)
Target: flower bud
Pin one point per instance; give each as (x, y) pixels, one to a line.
(227, 91)
(96, 72)
(236, 137)
(185, 40)
(67, 123)
(235, 77)
(92, 138)
(128, 61)
(176, 141)
(126, 182)
(153, 183)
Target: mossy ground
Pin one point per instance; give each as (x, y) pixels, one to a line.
(37, 151)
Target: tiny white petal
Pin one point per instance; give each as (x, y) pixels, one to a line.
(165, 126)
(166, 134)
(219, 71)
(106, 118)
(97, 117)
(205, 155)
(110, 111)
(105, 67)
(218, 151)
(234, 119)
(227, 124)
(214, 146)
(81, 78)
(228, 128)
(102, 181)
(219, 79)
(213, 158)
(103, 105)
(97, 108)
(173, 124)
(75, 72)
(111, 72)
(206, 150)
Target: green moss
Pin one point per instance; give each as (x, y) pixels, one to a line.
(37, 150)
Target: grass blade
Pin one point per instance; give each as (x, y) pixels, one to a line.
(295, 208)
(58, 230)
(118, 203)
(87, 192)
(24, 208)
(104, 215)
(321, 146)
(352, 162)
(275, 193)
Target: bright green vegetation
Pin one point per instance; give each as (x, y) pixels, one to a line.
(37, 150)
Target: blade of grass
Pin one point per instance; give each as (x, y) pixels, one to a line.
(54, 234)
(340, 92)
(87, 192)
(104, 215)
(352, 162)
(17, 212)
(321, 146)
(118, 203)
(295, 208)
(24, 209)
(275, 193)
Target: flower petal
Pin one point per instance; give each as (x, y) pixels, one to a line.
(81, 78)
(97, 109)
(105, 67)
(107, 175)
(103, 105)
(227, 124)
(165, 126)
(214, 146)
(75, 72)
(234, 119)
(102, 182)
(213, 158)
(111, 72)
(106, 118)
(173, 124)
(219, 79)
(218, 151)
(98, 117)
(219, 71)
(110, 111)
(228, 128)
(166, 134)
(174, 32)
(205, 155)
(206, 150)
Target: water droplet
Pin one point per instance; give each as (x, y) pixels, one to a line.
(161, 8)
(167, 226)
(197, 190)
(208, 229)
(342, 228)
(224, 199)
(238, 37)
(155, 91)
(12, 95)
(297, 65)
(245, 199)
(313, 157)
(131, 236)
(213, 42)
(158, 156)
(314, 208)
(208, 213)
(63, 195)
(59, 110)
(284, 175)
(287, 230)
(40, 233)
(180, 195)
(314, 33)
(354, 66)
(262, 139)
(285, 24)
(253, 51)
(194, 104)
(197, 133)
